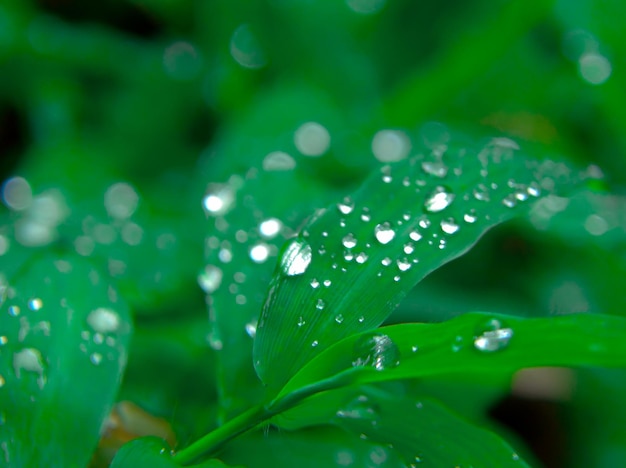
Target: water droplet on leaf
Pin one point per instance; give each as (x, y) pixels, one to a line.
(384, 233)
(438, 200)
(377, 351)
(296, 258)
(349, 241)
(210, 279)
(493, 337)
(449, 226)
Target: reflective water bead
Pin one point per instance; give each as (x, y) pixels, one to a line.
(259, 253)
(470, 217)
(346, 206)
(349, 241)
(348, 256)
(103, 320)
(35, 304)
(362, 257)
(339, 318)
(312, 139)
(210, 279)
(29, 360)
(481, 193)
(403, 264)
(449, 226)
(327, 283)
(296, 258)
(494, 336)
(95, 358)
(509, 201)
(314, 344)
(314, 283)
(415, 235)
(270, 228)
(408, 248)
(386, 261)
(424, 222)
(251, 329)
(435, 168)
(384, 233)
(218, 199)
(301, 321)
(439, 199)
(361, 319)
(320, 304)
(377, 351)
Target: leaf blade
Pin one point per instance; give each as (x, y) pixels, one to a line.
(403, 223)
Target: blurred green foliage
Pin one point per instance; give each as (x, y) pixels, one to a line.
(167, 97)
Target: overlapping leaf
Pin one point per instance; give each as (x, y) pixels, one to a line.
(472, 343)
(352, 263)
(63, 342)
(424, 433)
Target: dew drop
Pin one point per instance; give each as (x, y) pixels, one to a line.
(403, 264)
(377, 351)
(509, 201)
(349, 241)
(346, 206)
(296, 258)
(270, 228)
(361, 319)
(408, 248)
(312, 139)
(384, 233)
(14, 310)
(435, 168)
(361, 258)
(414, 349)
(210, 279)
(415, 235)
(35, 304)
(315, 284)
(259, 253)
(348, 256)
(29, 360)
(481, 193)
(301, 321)
(218, 200)
(103, 320)
(95, 358)
(386, 261)
(470, 217)
(314, 344)
(493, 336)
(449, 226)
(320, 304)
(366, 217)
(339, 318)
(327, 283)
(251, 329)
(439, 199)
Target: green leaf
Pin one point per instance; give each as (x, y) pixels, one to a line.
(352, 263)
(472, 343)
(63, 347)
(325, 446)
(154, 453)
(253, 205)
(423, 432)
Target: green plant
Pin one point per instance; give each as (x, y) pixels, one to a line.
(311, 221)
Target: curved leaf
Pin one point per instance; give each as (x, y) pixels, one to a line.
(63, 343)
(472, 343)
(352, 263)
(325, 446)
(423, 432)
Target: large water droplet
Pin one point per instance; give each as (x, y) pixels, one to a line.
(210, 279)
(384, 233)
(439, 199)
(103, 320)
(493, 336)
(296, 258)
(377, 351)
(449, 226)
(349, 241)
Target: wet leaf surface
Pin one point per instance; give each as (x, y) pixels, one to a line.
(63, 347)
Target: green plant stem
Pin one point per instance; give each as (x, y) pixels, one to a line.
(430, 88)
(252, 419)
